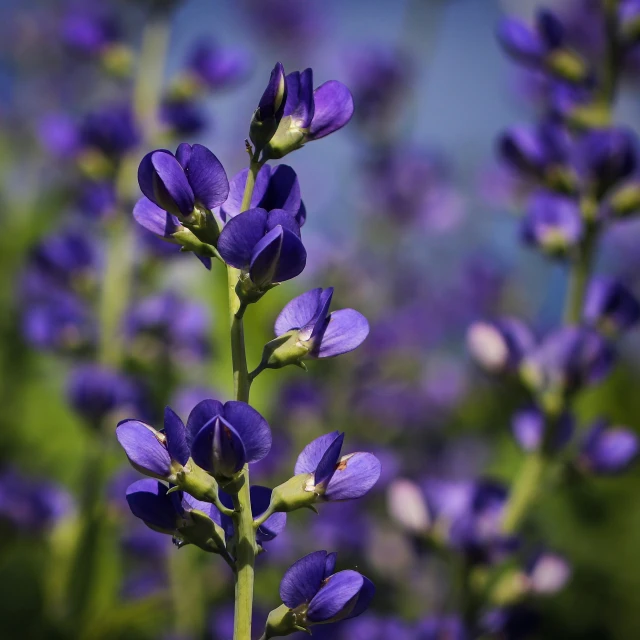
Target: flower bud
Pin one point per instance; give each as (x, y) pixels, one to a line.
(268, 115)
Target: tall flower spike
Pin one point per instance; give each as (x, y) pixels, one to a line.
(265, 245)
(177, 184)
(306, 329)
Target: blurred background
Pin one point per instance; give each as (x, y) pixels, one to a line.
(410, 216)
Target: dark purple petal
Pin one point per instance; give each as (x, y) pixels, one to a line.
(143, 448)
(333, 109)
(200, 415)
(273, 100)
(365, 596)
(293, 257)
(609, 450)
(346, 330)
(311, 455)
(283, 190)
(233, 203)
(206, 261)
(163, 181)
(299, 312)
(183, 154)
(252, 427)
(218, 448)
(302, 579)
(273, 525)
(520, 41)
(293, 92)
(523, 149)
(148, 500)
(207, 177)
(610, 305)
(355, 474)
(151, 217)
(176, 434)
(302, 114)
(189, 503)
(327, 465)
(322, 313)
(330, 564)
(335, 595)
(266, 257)
(283, 218)
(550, 28)
(240, 236)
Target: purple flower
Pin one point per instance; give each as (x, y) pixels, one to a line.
(308, 114)
(531, 45)
(441, 627)
(96, 392)
(183, 117)
(165, 512)
(31, 505)
(529, 426)
(111, 129)
(567, 359)
(224, 437)
(608, 450)
(319, 333)
(310, 587)
(610, 306)
(264, 244)
(531, 151)
(159, 454)
(167, 324)
(268, 115)
(192, 178)
(500, 346)
(276, 188)
(59, 135)
(606, 156)
(218, 68)
(548, 573)
(97, 199)
(333, 477)
(552, 222)
(88, 31)
(373, 627)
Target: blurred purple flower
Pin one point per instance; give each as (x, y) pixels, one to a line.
(608, 450)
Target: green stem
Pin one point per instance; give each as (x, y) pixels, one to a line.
(523, 492)
(243, 517)
(579, 278)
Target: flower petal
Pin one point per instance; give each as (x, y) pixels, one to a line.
(293, 257)
(207, 177)
(327, 465)
(183, 154)
(302, 579)
(298, 312)
(163, 181)
(311, 455)
(333, 109)
(218, 448)
(365, 596)
(322, 313)
(285, 219)
(283, 190)
(265, 257)
(143, 448)
(148, 500)
(240, 236)
(302, 115)
(176, 434)
(151, 217)
(355, 474)
(345, 331)
(252, 427)
(200, 415)
(233, 204)
(335, 595)
(330, 564)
